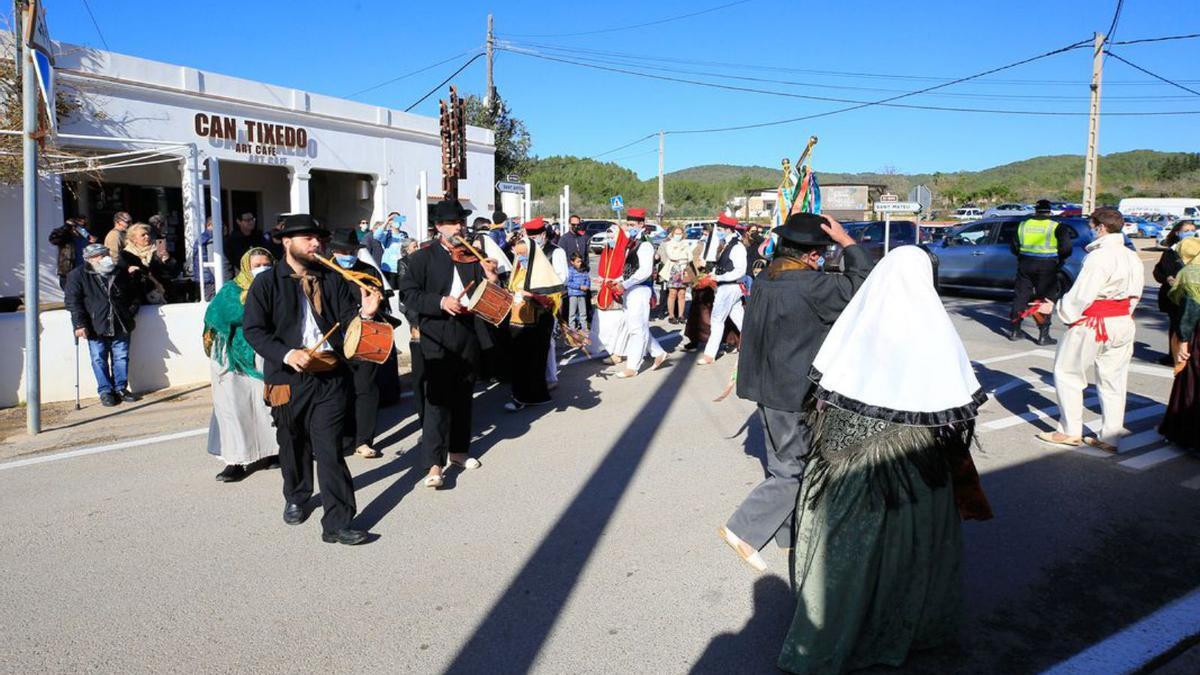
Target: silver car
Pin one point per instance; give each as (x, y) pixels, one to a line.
(1009, 210)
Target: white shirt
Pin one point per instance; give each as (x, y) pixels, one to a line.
(738, 257)
(456, 285)
(310, 332)
(558, 260)
(645, 257)
(1110, 272)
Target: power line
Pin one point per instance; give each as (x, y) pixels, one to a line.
(609, 152)
(87, 5)
(443, 82)
(1155, 76)
(415, 72)
(1112, 27)
(636, 25)
(857, 104)
(1190, 36)
(640, 59)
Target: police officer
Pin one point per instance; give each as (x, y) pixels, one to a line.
(1041, 246)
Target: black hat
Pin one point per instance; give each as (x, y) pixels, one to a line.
(299, 223)
(1043, 206)
(344, 239)
(448, 211)
(499, 217)
(805, 229)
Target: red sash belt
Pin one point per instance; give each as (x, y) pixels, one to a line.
(1033, 310)
(1098, 311)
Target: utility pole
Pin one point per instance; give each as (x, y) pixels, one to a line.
(662, 203)
(1090, 163)
(491, 42)
(29, 94)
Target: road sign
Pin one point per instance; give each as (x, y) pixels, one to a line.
(888, 198)
(617, 203)
(508, 186)
(37, 40)
(512, 178)
(921, 195)
(897, 207)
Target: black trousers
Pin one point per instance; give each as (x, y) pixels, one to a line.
(363, 413)
(387, 376)
(309, 427)
(417, 376)
(1036, 278)
(446, 427)
(528, 352)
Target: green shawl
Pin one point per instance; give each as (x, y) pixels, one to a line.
(223, 338)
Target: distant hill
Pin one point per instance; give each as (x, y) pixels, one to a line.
(702, 190)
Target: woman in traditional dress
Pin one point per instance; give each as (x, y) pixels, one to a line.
(878, 559)
(531, 324)
(146, 265)
(608, 324)
(240, 431)
(676, 256)
(1180, 424)
(1165, 271)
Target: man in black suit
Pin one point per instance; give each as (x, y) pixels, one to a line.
(452, 338)
(289, 311)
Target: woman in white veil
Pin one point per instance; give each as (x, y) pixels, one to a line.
(878, 555)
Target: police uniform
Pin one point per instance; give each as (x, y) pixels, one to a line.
(1041, 245)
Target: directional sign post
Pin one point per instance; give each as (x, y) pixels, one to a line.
(507, 186)
(617, 203)
(887, 209)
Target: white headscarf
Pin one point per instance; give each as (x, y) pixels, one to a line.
(894, 355)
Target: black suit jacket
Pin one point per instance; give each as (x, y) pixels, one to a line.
(275, 315)
(430, 275)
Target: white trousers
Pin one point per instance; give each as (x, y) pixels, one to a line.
(638, 339)
(608, 329)
(1077, 352)
(726, 305)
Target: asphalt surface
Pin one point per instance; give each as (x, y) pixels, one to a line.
(586, 543)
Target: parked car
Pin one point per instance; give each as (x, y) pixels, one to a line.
(967, 213)
(1141, 228)
(979, 254)
(596, 243)
(1065, 209)
(1009, 210)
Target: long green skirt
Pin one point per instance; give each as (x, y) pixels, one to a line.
(878, 548)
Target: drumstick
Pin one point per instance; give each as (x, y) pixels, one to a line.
(465, 290)
(325, 337)
(474, 251)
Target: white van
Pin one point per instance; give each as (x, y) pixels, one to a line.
(1180, 207)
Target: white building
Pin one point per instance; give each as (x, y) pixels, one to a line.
(277, 149)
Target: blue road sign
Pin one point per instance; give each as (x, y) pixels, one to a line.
(617, 203)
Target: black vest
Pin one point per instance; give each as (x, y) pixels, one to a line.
(724, 263)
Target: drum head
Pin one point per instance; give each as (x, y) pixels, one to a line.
(477, 294)
(353, 335)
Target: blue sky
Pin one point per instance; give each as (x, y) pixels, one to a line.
(342, 47)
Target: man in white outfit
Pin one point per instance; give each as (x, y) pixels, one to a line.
(638, 290)
(1099, 312)
(727, 274)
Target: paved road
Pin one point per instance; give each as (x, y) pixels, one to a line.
(585, 544)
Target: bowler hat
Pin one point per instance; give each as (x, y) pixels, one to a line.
(344, 239)
(498, 217)
(805, 229)
(299, 223)
(449, 211)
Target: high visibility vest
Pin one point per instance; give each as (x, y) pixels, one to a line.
(1037, 238)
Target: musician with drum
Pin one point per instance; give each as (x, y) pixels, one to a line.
(440, 276)
(294, 314)
(363, 412)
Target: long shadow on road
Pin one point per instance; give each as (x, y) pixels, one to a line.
(516, 627)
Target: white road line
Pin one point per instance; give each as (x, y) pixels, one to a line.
(1135, 646)
(95, 450)
(1029, 416)
(1192, 483)
(1007, 357)
(1156, 371)
(1152, 458)
(1140, 440)
(1155, 410)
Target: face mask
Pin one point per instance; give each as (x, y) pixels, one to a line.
(105, 265)
(259, 270)
(346, 261)
(721, 236)
(364, 226)
(677, 237)
(1185, 235)
(540, 240)
(821, 263)
(523, 259)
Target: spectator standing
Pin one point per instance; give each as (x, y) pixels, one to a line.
(147, 265)
(1165, 272)
(371, 243)
(392, 240)
(245, 236)
(201, 272)
(70, 239)
(676, 256)
(103, 302)
(115, 239)
(579, 285)
(1183, 408)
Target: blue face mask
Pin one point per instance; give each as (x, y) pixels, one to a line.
(821, 263)
(346, 261)
(523, 259)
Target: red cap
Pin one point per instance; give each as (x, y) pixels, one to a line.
(729, 221)
(636, 214)
(535, 225)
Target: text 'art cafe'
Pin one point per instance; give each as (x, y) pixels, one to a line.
(150, 138)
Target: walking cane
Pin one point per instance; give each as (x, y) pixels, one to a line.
(77, 372)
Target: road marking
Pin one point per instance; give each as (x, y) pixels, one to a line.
(1134, 647)
(1029, 416)
(1152, 458)
(1140, 440)
(95, 450)
(1157, 371)
(1192, 483)
(1007, 357)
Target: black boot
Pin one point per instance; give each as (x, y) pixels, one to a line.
(1044, 338)
(1014, 333)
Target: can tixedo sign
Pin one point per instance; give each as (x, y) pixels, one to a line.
(261, 141)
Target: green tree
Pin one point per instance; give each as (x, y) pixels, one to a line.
(512, 138)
